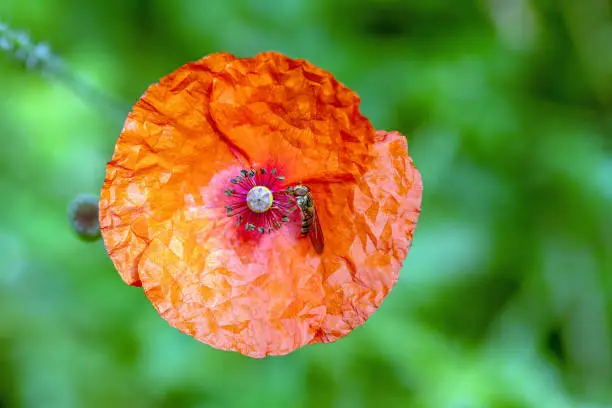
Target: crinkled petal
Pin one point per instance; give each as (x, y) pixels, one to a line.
(271, 105)
(167, 148)
(257, 295)
(274, 294)
(368, 229)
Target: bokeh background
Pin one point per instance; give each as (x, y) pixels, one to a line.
(505, 298)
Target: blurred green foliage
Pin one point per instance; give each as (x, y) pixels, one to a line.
(505, 298)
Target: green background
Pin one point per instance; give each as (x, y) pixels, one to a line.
(505, 298)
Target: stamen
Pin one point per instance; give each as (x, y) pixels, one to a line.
(261, 203)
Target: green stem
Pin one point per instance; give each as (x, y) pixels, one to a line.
(38, 56)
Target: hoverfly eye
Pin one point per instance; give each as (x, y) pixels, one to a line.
(300, 191)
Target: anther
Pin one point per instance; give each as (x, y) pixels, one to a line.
(263, 171)
(244, 172)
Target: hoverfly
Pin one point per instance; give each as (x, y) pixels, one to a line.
(310, 219)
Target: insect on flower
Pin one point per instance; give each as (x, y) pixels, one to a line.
(311, 225)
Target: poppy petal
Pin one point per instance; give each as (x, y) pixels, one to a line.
(271, 105)
(167, 143)
(369, 227)
(255, 296)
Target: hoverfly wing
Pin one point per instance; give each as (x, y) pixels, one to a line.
(316, 234)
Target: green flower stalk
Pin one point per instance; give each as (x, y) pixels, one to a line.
(39, 56)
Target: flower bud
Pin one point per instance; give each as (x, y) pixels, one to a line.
(83, 215)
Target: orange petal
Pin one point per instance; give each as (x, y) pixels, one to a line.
(271, 105)
(258, 296)
(167, 146)
(368, 229)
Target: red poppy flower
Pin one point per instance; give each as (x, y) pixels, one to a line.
(197, 206)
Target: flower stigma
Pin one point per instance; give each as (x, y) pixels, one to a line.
(259, 199)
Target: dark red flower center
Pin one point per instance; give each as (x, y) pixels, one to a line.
(259, 200)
